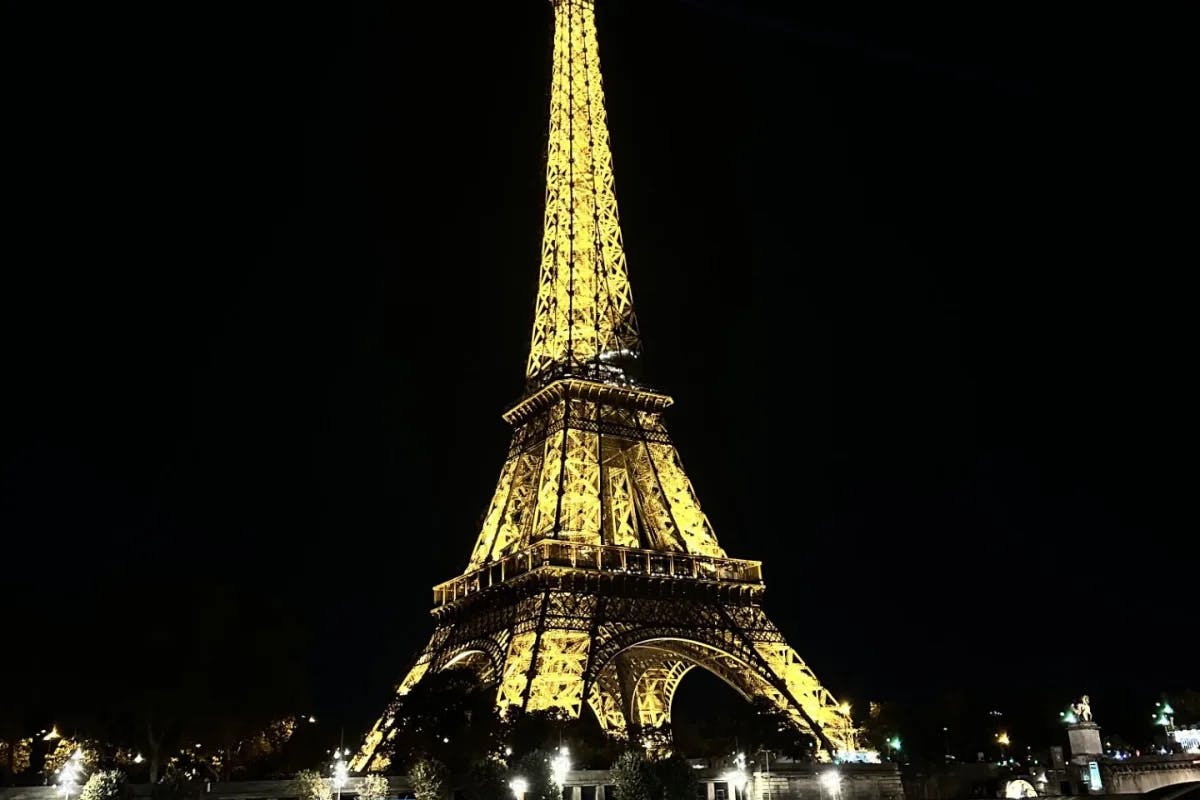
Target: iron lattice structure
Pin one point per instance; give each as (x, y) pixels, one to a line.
(596, 578)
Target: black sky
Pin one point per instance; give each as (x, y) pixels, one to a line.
(917, 283)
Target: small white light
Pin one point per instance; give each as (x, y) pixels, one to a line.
(560, 766)
(831, 780)
(736, 778)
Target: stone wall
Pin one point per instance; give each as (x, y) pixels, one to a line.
(234, 790)
(790, 782)
(856, 782)
(1141, 775)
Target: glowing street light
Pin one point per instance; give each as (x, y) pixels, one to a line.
(69, 774)
(560, 765)
(893, 745)
(767, 771)
(831, 781)
(1164, 717)
(519, 787)
(341, 772)
(737, 777)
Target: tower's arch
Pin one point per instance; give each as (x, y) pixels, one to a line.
(485, 665)
(635, 688)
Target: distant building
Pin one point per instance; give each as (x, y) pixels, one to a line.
(1187, 738)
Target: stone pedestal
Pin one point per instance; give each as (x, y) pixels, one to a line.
(1084, 740)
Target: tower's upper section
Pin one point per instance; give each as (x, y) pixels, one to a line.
(584, 321)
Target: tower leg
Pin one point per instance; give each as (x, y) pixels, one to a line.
(367, 757)
(654, 688)
(608, 703)
(558, 659)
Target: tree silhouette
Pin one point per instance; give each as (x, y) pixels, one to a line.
(634, 777)
(448, 716)
(534, 767)
(207, 664)
(430, 779)
(675, 778)
(486, 780)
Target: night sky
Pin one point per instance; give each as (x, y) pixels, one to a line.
(917, 284)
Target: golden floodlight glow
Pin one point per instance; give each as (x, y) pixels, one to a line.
(584, 304)
(596, 578)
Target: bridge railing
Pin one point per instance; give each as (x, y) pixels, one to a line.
(605, 559)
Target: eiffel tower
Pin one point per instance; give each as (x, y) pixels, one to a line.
(596, 577)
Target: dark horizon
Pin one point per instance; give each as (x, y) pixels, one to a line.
(913, 284)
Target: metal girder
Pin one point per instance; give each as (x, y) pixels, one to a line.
(588, 472)
(596, 577)
(655, 690)
(623, 645)
(584, 306)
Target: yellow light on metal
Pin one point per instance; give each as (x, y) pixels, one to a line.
(596, 577)
(584, 307)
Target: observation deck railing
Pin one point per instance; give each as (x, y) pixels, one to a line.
(601, 559)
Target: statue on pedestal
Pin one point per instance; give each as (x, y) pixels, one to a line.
(1082, 709)
(1083, 735)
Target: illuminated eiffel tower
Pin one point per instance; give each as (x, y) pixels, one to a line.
(596, 578)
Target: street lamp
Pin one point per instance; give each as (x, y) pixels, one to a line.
(519, 787)
(1164, 718)
(341, 773)
(831, 782)
(893, 746)
(69, 774)
(737, 777)
(767, 773)
(560, 765)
